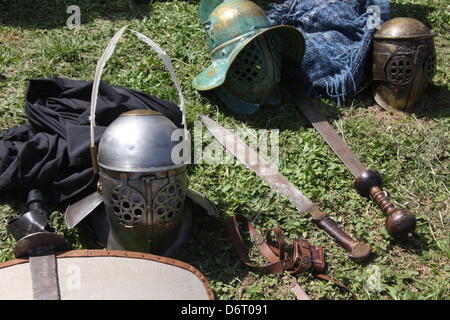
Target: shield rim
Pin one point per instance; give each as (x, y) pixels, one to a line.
(88, 253)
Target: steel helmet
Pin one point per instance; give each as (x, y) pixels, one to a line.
(247, 53)
(141, 164)
(142, 189)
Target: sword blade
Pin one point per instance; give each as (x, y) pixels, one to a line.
(253, 161)
(328, 133)
(81, 209)
(44, 277)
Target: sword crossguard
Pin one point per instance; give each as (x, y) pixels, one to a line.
(400, 223)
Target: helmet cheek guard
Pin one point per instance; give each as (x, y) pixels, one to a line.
(247, 54)
(403, 64)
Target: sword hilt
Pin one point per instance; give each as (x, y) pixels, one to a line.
(359, 251)
(400, 223)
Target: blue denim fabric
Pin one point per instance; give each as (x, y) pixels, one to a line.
(338, 41)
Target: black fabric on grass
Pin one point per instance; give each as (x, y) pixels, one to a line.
(52, 152)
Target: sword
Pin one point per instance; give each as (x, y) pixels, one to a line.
(358, 250)
(400, 223)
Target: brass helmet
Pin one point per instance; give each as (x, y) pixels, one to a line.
(404, 60)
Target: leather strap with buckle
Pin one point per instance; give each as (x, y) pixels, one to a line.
(298, 257)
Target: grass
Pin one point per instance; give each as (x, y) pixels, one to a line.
(412, 152)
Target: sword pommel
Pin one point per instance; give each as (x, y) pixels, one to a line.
(400, 223)
(360, 251)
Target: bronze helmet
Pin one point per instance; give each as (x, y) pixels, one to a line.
(247, 54)
(404, 60)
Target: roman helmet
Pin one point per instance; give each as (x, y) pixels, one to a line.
(404, 61)
(141, 165)
(143, 190)
(247, 54)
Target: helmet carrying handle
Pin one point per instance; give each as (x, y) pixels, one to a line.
(98, 74)
(169, 67)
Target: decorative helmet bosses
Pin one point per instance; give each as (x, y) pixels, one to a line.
(247, 54)
(403, 63)
(142, 188)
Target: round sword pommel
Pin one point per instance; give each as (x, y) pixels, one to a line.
(360, 251)
(366, 181)
(401, 224)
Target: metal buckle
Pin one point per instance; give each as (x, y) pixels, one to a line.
(306, 263)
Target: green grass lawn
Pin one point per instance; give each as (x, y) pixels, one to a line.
(411, 152)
